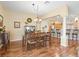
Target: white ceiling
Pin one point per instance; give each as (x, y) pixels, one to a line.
(44, 6)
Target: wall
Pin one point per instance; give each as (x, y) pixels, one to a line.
(62, 11)
(17, 33)
(1, 10)
(44, 25)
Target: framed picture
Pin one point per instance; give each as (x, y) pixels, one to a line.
(16, 24)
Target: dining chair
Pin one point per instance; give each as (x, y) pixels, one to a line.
(31, 42)
(24, 42)
(40, 42)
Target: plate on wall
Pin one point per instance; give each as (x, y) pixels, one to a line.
(29, 20)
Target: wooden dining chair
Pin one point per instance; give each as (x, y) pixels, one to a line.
(31, 42)
(24, 42)
(40, 42)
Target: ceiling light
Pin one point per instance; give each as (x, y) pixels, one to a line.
(40, 19)
(76, 19)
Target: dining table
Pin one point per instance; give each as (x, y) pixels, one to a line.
(38, 38)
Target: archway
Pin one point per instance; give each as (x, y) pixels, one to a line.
(55, 29)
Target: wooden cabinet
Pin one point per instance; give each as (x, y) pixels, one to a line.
(4, 41)
(29, 29)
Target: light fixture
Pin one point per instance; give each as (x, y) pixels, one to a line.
(76, 19)
(40, 20)
(28, 28)
(37, 19)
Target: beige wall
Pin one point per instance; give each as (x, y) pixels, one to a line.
(1, 10)
(16, 33)
(62, 11)
(9, 18)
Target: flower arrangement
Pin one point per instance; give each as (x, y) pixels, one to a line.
(2, 29)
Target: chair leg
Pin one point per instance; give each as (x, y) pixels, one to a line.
(45, 43)
(28, 46)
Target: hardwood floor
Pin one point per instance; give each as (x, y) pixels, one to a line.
(55, 50)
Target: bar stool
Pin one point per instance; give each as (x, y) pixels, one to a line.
(53, 32)
(75, 36)
(68, 33)
(58, 34)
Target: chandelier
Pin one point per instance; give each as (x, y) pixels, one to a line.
(37, 19)
(76, 19)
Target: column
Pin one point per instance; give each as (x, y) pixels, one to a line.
(64, 40)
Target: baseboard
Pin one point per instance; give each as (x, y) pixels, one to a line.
(15, 40)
